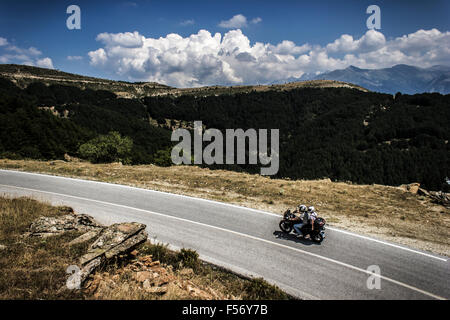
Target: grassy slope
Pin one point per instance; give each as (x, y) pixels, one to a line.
(385, 212)
(34, 268)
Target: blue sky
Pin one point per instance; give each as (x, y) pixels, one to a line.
(316, 25)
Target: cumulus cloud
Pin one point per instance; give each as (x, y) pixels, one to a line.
(28, 56)
(45, 63)
(371, 41)
(127, 39)
(207, 59)
(237, 21)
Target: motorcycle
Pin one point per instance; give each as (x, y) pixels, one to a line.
(317, 235)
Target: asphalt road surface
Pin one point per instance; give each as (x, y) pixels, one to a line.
(249, 242)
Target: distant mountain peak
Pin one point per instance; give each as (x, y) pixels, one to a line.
(352, 67)
(399, 78)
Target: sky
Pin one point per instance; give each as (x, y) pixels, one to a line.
(195, 43)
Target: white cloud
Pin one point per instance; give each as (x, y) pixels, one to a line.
(256, 20)
(28, 56)
(30, 51)
(371, 41)
(188, 22)
(45, 63)
(289, 47)
(98, 57)
(238, 21)
(74, 58)
(126, 39)
(206, 59)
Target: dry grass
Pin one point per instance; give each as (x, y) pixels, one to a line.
(385, 212)
(34, 268)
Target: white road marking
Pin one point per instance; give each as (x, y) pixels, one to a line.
(233, 206)
(387, 243)
(242, 235)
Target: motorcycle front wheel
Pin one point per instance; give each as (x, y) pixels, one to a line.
(285, 226)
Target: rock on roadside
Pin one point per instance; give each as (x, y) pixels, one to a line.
(115, 240)
(112, 241)
(49, 226)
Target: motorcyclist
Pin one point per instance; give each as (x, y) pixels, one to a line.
(312, 216)
(301, 210)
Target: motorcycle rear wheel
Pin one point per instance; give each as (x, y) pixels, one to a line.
(285, 226)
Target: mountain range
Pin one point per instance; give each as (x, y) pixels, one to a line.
(400, 78)
(23, 76)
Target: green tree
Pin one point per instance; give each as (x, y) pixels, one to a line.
(107, 148)
(163, 158)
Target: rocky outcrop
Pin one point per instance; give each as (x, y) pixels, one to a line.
(49, 226)
(412, 187)
(146, 276)
(112, 241)
(135, 276)
(440, 197)
(115, 240)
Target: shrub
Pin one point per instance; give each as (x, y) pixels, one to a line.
(107, 148)
(158, 252)
(259, 289)
(163, 158)
(189, 259)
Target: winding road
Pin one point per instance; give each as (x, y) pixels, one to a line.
(248, 241)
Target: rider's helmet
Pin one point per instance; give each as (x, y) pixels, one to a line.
(302, 208)
(311, 209)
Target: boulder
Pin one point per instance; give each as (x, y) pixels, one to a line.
(2, 247)
(85, 237)
(49, 226)
(423, 192)
(412, 187)
(116, 239)
(440, 197)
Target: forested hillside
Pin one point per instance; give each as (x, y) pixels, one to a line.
(29, 129)
(340, 133)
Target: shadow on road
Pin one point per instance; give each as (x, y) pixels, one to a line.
(293, 237)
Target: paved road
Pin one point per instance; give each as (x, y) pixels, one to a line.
(248, 241)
